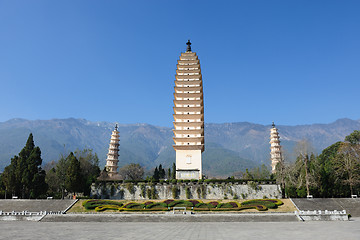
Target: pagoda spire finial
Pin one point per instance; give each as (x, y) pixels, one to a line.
(116, 126)
(188, 49)
(273, 124)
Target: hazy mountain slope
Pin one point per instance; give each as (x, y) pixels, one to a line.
(228, 145)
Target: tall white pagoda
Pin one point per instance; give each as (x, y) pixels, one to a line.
(275, 147)
(113, 154)
(188, 116)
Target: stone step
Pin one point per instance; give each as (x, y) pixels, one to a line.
(124, 217)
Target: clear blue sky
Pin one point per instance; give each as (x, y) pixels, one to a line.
(292, 62)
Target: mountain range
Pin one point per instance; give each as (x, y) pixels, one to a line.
(229, 147)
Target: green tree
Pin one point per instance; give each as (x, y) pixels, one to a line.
(89, 164)
(247, 175)
(328, 187)
(347, 165)
(61, 173)
(73, 181)
(156, 175)
(132, 172)
(11, 183)
(305, 159)
(161, 172)
(174, 171)
(24, 175)
(353, 138)
(169, 173)
(261, 172)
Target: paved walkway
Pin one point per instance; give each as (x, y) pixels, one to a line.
(180, 230)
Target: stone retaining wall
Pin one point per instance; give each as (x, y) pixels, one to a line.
(143, 191)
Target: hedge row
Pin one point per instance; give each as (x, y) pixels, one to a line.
(174, 181)
(259, 204)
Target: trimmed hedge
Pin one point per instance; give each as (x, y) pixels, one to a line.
(106, 207)
(134, 205)
(239, 181)
(180, 203)
(213, 204)
(92, 204)
(156, 205)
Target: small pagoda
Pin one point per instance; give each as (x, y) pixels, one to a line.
(188, 116)
(113, 154)
(275, 147)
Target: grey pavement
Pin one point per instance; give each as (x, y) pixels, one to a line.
(19, 205)
(181, 230)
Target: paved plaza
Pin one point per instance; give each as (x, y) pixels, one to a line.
(180, 230)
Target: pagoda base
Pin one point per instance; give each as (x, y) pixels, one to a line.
(188, 164)
(188, 174)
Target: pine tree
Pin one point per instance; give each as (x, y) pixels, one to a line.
(161, 172)
(169, 173)
(156, 175)
(24, 175)
(174, 171)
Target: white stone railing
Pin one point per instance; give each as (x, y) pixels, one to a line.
(320, 212)
(319, 215)
(27, 213)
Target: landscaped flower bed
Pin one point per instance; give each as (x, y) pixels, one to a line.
(261, 204)
(196, 205)
(92, 204)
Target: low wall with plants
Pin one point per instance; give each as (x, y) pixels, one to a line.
(185, 190)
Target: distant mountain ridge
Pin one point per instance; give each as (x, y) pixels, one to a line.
(230, 147)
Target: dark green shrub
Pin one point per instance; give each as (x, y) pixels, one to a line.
(213, 204)
(198, 191)
(153, 192)
(187, 192)
(194, 202)
(168, 201)
(148, 193)
(133, 205)
(130, 187)
(175, 192)
(202, 205)
(180, 203)
(142, 190)
(112, 190)
(224, 205)
(156, 205)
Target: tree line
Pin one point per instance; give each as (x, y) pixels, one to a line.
(25, 178)
(333, 173)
